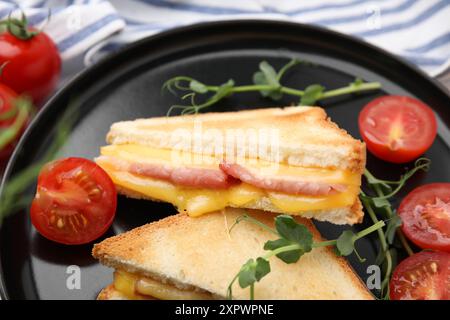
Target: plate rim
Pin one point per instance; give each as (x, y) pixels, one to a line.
(211, 26)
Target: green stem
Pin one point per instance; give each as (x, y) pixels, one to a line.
(247, 88)
(252, 291)
(253, 220)
(11, 113)
(324, 244)
(383, 243)
(400, 183)
(292, 91)
(359, 235)
(399, 232)
(253, 87)
(281, 250)
(375, 227)
(351, 89)
(391, 194)
(8, 135)
(404, 242)
(230, 289)
(296, 92)
(286, 67)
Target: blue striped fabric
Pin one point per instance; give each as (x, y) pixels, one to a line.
(418, 30)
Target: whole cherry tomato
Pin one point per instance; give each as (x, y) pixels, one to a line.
(30, 59)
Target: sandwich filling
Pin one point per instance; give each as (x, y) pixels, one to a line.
(213, 184)
(136, 287)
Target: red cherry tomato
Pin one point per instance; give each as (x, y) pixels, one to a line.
(397, 129)
(75, 201)
(425, 213)
(423, 276)
(32, 66)
(10, 118)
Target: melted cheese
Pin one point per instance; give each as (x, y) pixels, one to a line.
(135, 287)
(196, 201)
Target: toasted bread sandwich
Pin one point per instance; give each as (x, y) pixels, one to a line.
(157, 261)
(292, 160)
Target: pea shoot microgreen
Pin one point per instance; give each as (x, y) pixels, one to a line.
(293, 239)
(378, 205)
(266, 81)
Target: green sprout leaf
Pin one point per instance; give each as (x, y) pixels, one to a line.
(345, 244)
(262, 268)
(253, 271)
(294, 232)
(312, 94)
(247, 274)
(268, 76)
(291, 233)
(380, 203)
(291, 256)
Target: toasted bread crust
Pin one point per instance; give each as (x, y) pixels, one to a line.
(307, 136)
(179, 250)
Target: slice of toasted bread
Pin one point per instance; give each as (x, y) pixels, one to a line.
(202, 253)
(305, 136)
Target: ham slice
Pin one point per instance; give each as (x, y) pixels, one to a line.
(281, 184)
(209, 178)
(184, 176)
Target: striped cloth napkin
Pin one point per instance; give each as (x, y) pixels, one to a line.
(418, 30)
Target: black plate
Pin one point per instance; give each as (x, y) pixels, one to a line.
(127, 86)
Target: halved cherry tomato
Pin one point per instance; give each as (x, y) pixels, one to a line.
(75, 201)
(425, 213)
(396, 128)
(423, 276)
